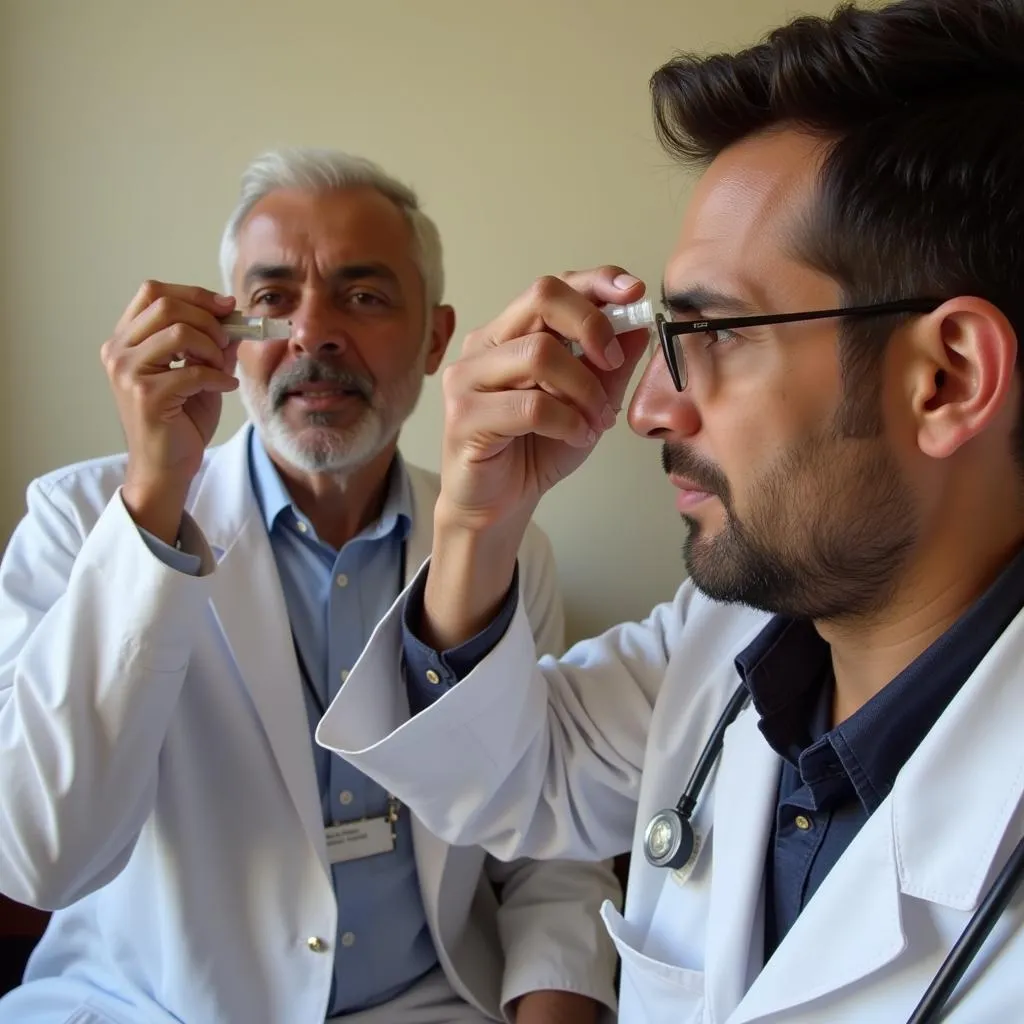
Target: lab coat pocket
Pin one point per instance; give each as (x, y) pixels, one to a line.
(652, 991)
(88, 1014)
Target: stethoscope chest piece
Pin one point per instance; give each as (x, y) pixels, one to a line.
(669, 841)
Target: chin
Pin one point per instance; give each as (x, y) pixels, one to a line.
(323, 449)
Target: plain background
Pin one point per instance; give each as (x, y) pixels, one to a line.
(524, 126)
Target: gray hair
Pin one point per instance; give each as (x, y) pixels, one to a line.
(320, 170)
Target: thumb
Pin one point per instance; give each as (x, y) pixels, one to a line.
(607, 284)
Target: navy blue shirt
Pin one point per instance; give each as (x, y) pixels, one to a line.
(832, 778)
(444, 669)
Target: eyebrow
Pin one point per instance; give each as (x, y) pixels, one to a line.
(705, 300)
(344, 274)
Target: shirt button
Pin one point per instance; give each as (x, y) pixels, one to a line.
(345, 796)
(432, 677)
(341, 579)
(344, 674)
(301, 526)
(316, 944)
(348, 939)
(802, 822)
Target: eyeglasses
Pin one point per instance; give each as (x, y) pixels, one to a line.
(671, 331)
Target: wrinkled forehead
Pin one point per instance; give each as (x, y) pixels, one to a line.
(741, 230)
(330, 229)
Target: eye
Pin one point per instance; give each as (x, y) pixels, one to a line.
(367, 299)
(267, 299)
(719, 338)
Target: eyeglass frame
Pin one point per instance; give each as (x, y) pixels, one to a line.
(670, 329)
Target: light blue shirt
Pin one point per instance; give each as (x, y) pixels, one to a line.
(334, 600)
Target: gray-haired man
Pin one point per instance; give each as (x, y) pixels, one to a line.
(174, 621)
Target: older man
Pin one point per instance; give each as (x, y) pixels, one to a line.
(174, 622)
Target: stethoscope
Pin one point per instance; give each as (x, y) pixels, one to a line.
(670, 842)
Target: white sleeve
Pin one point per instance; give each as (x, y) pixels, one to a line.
(95, 638)
(540, 592)
(549, 918)
(526, 759)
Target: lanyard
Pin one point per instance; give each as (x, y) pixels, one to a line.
(391, 816)
(307, 679)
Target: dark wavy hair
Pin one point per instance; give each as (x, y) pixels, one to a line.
(922, 190)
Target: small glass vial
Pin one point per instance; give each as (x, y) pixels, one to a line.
(631, 317)
(239, 327)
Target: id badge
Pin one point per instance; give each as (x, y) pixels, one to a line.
(353, 840)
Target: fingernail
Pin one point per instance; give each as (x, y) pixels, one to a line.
(613, 353)
(625, 281)
(224, 300)
(608, 417)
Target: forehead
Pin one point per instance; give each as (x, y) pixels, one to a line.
(329, 229)
(739, 230)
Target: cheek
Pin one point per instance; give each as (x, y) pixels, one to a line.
(259, 360)
(388, 354)
(745, 433)
(754, 431)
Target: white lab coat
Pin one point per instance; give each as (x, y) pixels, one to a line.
(574, 757)
(157, 783)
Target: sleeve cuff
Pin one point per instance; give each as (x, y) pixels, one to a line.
(430, 674)
(174, 558)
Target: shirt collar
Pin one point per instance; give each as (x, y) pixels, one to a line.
(275, 502)
(784, 669)
(788, 665)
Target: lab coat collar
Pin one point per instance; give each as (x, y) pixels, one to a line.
(256, 628)
(935, 838)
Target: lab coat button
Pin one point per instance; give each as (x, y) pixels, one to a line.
(316, 944)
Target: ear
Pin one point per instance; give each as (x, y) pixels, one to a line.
(442, 327)
(962, 375)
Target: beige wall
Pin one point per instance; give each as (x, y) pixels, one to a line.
(524, 126)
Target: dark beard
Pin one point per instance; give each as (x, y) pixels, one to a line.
(830, 526)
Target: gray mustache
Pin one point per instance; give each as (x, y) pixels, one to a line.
(311, 371)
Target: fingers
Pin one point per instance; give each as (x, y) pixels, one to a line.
(160, 396)
(488, 421)
(567, 307)
(166, 312)
(537, 361)
(156, 353)
(605, 284)
(635, 346)
(151, 292)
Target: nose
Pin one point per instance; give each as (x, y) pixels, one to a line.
(316, 329)
(657, 410)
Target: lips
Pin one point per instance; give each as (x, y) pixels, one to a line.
(682, 483)
(320, 390)
(689, 493)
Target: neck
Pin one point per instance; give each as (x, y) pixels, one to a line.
(934, 591)
(339, 505)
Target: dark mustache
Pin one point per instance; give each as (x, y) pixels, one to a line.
(315, 371)
(678, 460)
